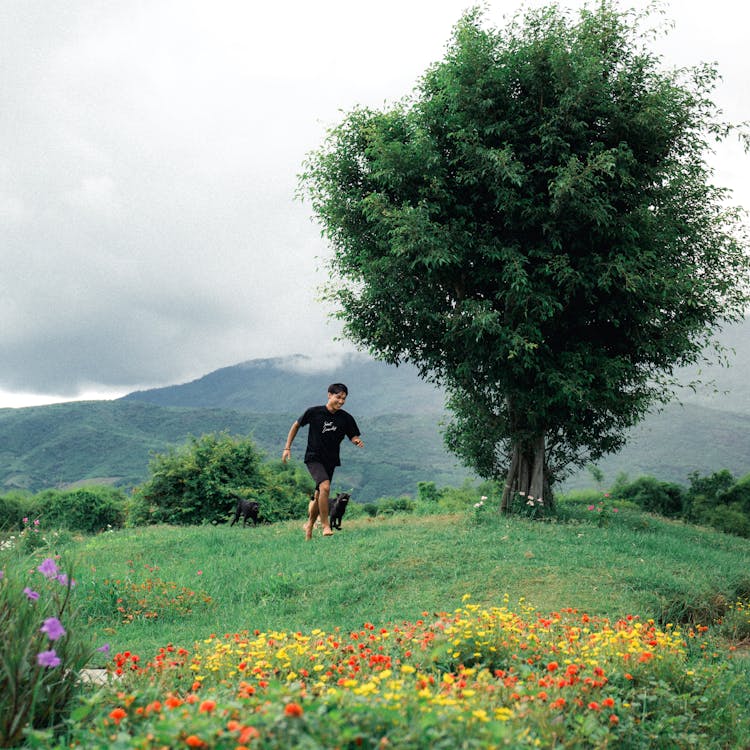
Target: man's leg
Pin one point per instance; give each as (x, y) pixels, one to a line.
(323, 491)
(312, 515)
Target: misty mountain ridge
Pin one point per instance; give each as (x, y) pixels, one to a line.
(291, 384)
(401, 416)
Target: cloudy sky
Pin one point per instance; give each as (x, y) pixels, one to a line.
(149, 153)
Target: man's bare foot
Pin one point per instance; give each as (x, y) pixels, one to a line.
(327, 531)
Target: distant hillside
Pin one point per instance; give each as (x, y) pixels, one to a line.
(290, 384)
(112, 442)
(400, 418)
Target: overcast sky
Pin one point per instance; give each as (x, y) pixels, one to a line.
(149, 153)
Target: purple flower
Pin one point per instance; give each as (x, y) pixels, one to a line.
(104, 649)
(2, 574)
(48, 568)
(48, 659)
(53, 628)
(63, 580)
(31, 594)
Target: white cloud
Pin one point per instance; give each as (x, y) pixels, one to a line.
(148, 162)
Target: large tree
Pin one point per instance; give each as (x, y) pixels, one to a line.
(535, 228)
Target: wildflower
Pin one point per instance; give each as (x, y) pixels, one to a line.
(48, 659)
(48, 568)
(293, 709)
(552, 666)
(104, 649)
(594, 706)
(207, 706)
(2, 574)
(117, 714)
(614, 719)
(33, 595)
(193, 740)
(53, 628)
(591, 507)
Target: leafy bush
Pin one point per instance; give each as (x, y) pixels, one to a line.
(43, 648)
(194, 483)
(14, 507)
(650, 494)
(88, 509)
(388, 505)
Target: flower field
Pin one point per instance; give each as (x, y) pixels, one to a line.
(476, 677)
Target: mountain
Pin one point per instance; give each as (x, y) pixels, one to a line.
(112, 441)
(400, 417)
(291, 384)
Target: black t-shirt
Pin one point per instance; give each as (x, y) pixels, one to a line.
(327, 430)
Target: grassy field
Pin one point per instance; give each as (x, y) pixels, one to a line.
(385, 570)
(605, 628)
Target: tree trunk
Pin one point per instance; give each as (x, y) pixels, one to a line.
(527, 476)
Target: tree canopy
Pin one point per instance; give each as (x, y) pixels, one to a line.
(536, 229)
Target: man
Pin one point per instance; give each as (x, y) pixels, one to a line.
(329, 425)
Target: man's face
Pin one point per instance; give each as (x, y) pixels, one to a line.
(336, 401)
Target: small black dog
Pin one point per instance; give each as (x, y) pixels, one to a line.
(245, 508)
(337, 508)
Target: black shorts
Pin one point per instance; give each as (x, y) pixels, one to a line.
(320, 473)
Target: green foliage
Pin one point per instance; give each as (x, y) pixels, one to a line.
(89, 509)
(536, 230)
(652, 495)
(195, 482)
(13, 508)
(44, 644)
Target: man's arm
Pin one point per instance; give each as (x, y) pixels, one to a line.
(286, 454)
(357, 440)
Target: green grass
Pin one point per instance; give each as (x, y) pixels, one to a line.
(372, 635)
(387, 570)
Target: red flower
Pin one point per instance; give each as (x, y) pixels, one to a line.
(194, 741)
(552, 666)
(293, 709)
(117, 715)
(207, 706)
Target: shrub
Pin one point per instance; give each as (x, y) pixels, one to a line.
(387, 505)
(88, 509)
(652, 495)
(193, 484)
(14, 507)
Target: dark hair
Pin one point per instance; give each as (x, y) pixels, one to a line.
(338, 388)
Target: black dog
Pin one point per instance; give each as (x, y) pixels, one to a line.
(245, 508)
(337, 508)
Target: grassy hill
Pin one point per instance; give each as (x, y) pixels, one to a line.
(435, 631)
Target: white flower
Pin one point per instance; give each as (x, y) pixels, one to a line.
(479, 504)
(530, 502)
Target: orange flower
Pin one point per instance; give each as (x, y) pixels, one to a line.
(173, 701)
(559, 703)
(207, 706)
(194, 741)
(614, 719)
(247, 734)
(293, 709)
(608, 702)
(552, 666)
(117, 715)
(594, 706)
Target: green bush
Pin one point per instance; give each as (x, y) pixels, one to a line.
(650, 494)
(88, 509)
(388, 505)
(194, 483)
(14, 507)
